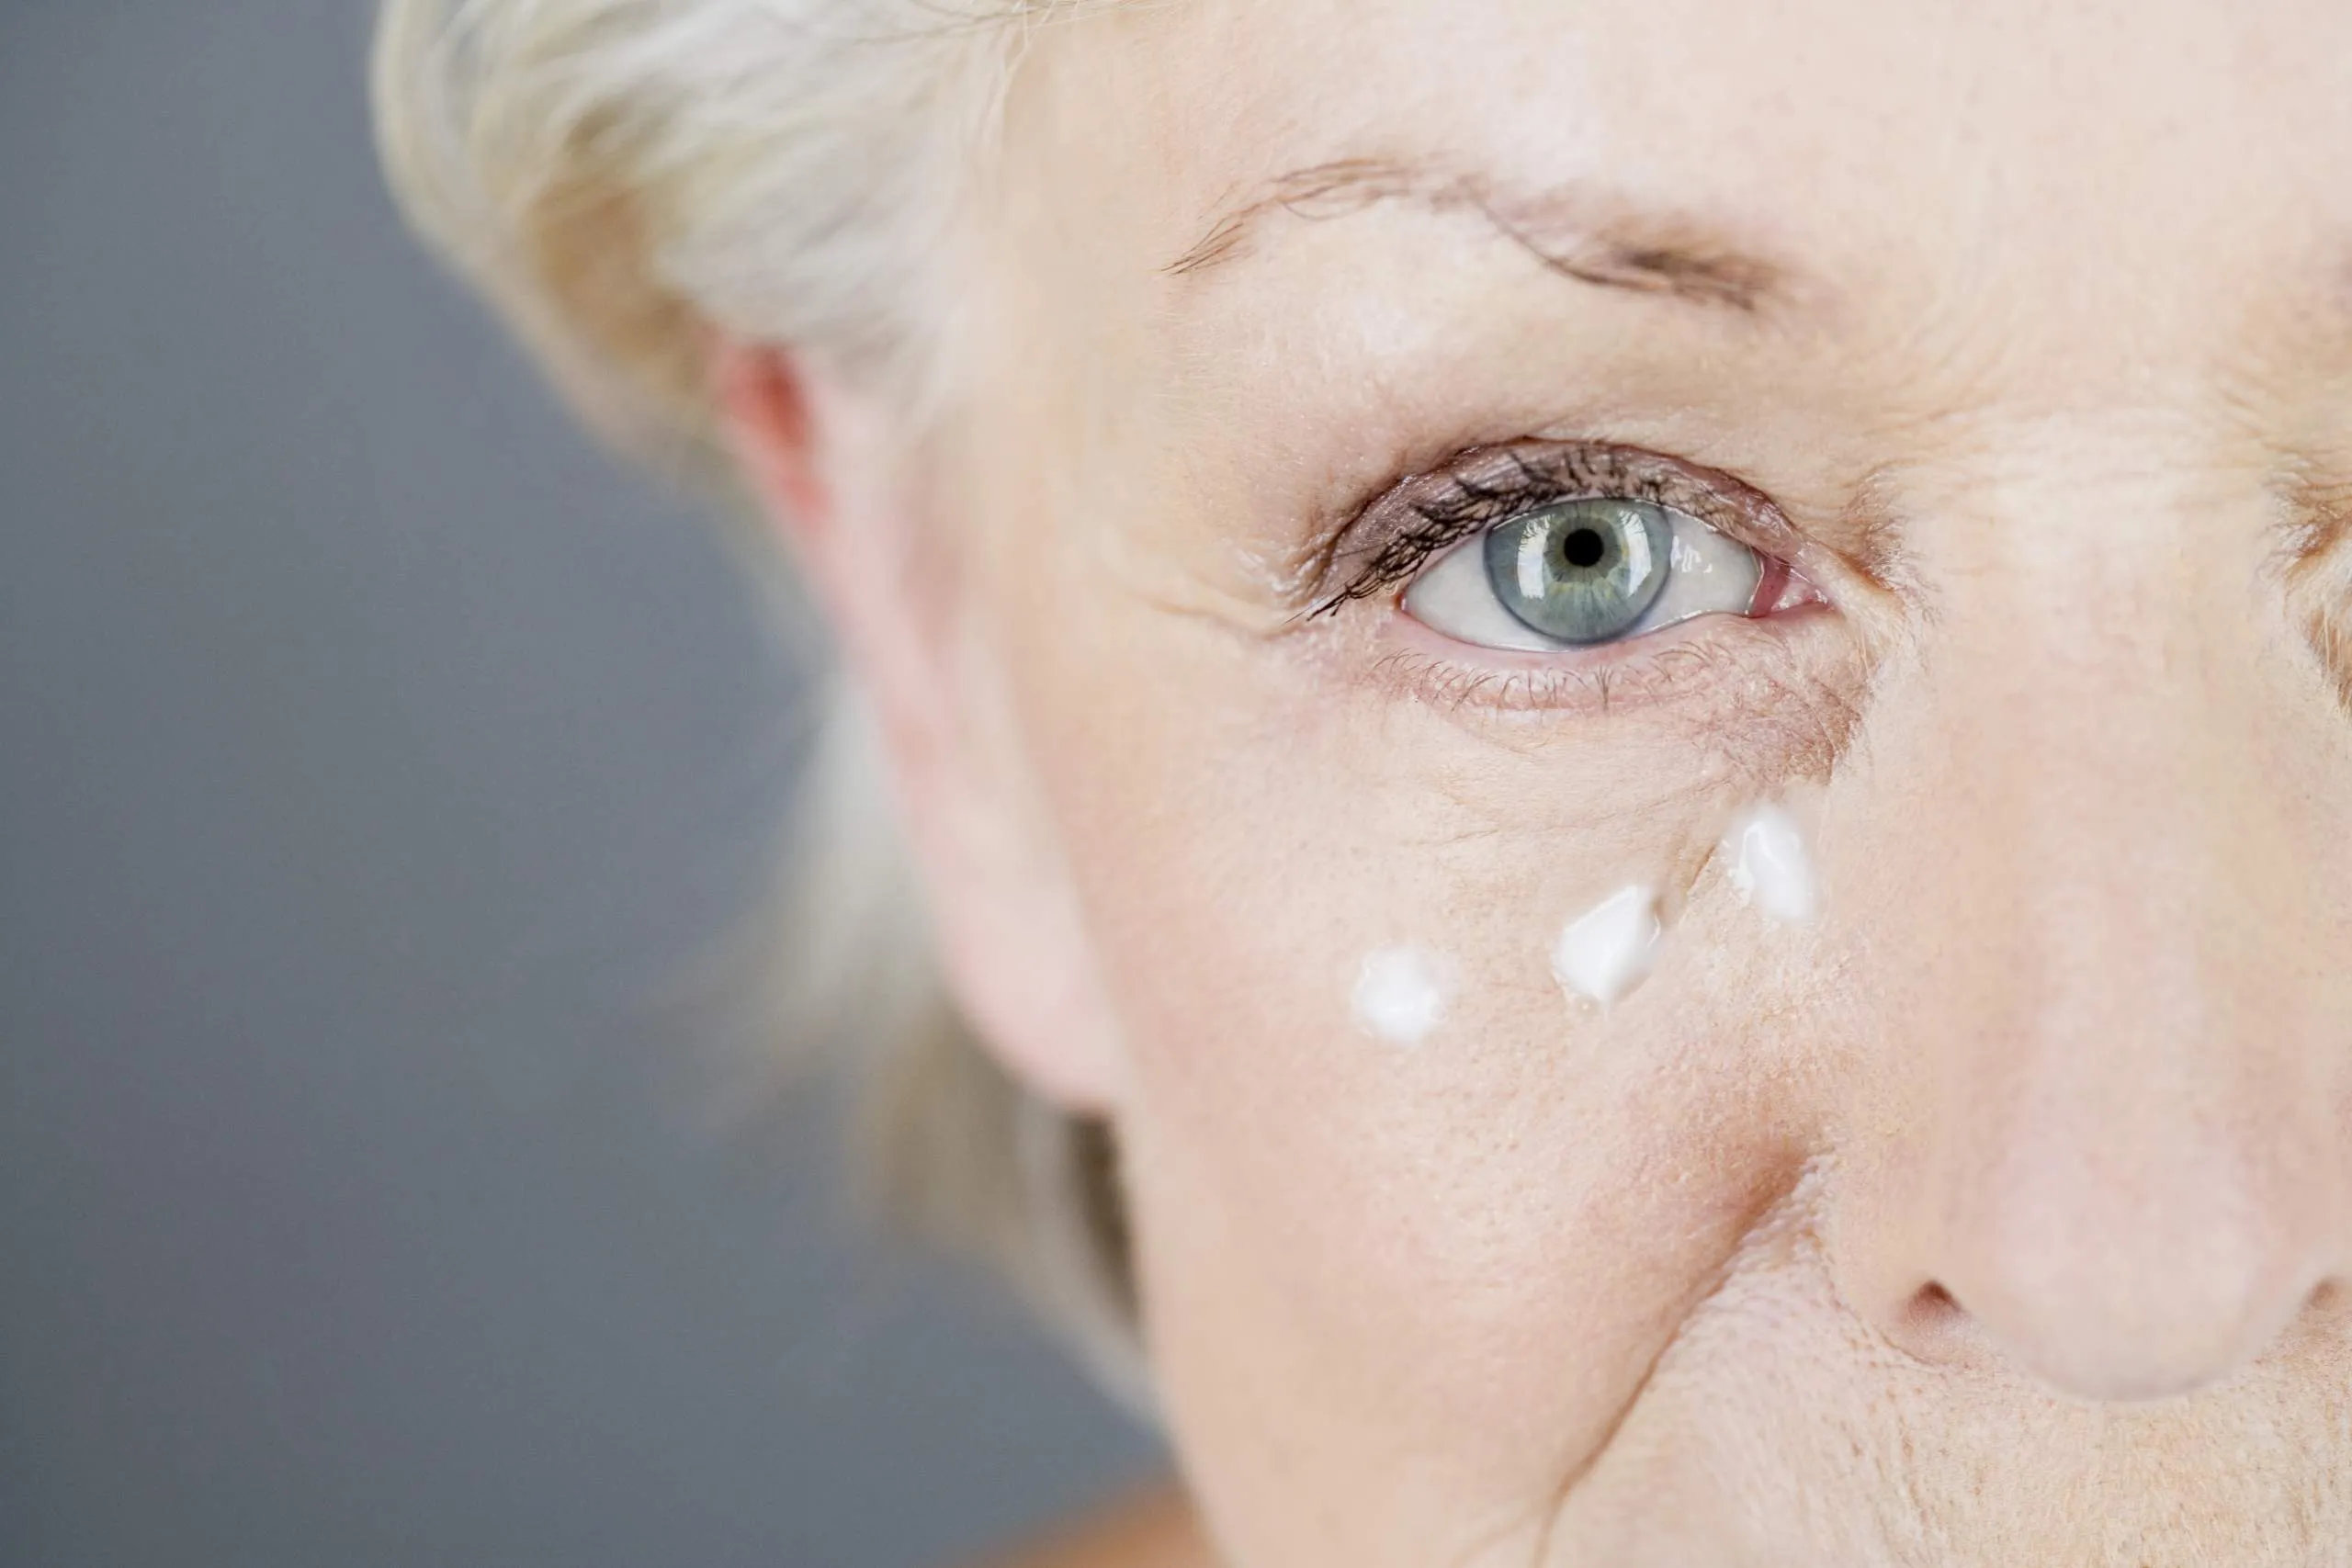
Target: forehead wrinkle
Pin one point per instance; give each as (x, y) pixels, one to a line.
(1577, 231)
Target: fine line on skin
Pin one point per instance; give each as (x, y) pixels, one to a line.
(1608, 950)
(1400, 995)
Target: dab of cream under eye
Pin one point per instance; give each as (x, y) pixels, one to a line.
(1400, 995)
(1771, 866)
(1609, 949)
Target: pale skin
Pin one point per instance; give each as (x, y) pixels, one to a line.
(1997, 1216)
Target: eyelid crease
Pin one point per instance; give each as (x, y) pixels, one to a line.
(1419, 515)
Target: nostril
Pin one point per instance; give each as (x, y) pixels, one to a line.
(1934, 1303)
(2325, 1317)
(1934, 1310)
(1931, 1325)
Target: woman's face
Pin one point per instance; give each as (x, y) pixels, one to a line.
(1441, 468)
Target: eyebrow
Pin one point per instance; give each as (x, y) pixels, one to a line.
(1576, 232)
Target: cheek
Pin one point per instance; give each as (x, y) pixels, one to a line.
(1445, 1249)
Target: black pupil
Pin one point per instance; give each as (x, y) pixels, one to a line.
(1584, 546)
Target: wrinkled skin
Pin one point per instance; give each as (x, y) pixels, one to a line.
(1999, 1215)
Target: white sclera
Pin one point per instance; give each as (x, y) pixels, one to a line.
(1400, 995)
(1773, 867)
(1607, 951)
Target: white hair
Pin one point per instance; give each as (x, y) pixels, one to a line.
(628, 179)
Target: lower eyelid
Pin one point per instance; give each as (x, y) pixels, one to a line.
(1723, 677)
(1415, 640)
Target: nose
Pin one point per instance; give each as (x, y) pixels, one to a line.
(2096, 1133)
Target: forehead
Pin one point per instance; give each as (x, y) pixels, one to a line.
(1864, 134)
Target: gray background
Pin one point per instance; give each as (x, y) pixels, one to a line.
(381, 765)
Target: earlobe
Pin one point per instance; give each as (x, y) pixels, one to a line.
(829, 473)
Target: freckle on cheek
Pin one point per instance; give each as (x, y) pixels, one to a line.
(1401, 994)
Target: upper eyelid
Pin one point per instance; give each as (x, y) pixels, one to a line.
(1523, 474)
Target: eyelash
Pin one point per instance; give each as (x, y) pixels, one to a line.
(1421, 516)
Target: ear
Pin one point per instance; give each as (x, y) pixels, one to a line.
(830, 468)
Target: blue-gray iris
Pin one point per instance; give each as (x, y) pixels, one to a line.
(1582, 571)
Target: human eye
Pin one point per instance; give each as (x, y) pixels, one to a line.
(1583, 572)
(1542, 547)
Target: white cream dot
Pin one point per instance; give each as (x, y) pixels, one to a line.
(1770, 865)
(1400, 995)
(1608, 951)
